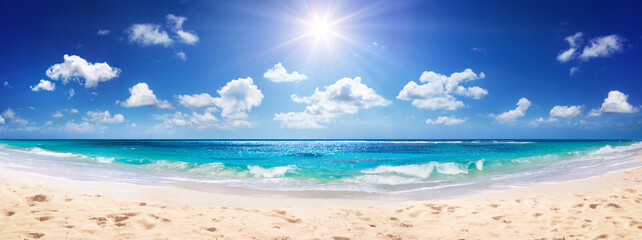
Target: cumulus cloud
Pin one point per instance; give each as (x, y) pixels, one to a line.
(573, 71)
(148, 34)
(346, 96)
(235, 99)
(200, 121)
(10, 116)
(79, 127)
(103, 117)
(187, 37)
(175, 22)
(522, 106)
(602, 47)
(103, 31)
(57, 115)
(573, 42)
(141, 95)
(72, 111)
(446, 120)
(238, 96)
(616, 102)
(1, 120)
(43, 85)
(77, 68)
(181, 56)
(279, 74)
(439, 90)
(565, 111)
(196, 100)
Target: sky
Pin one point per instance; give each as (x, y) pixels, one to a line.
(321, 69)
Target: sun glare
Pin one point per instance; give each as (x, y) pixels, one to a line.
(321, 29)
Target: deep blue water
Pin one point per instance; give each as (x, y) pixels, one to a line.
(380, 166)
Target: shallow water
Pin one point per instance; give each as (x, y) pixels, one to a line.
(418, 169)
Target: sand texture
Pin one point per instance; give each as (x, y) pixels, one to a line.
(36, 212)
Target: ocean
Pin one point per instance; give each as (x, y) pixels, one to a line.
(408, 169)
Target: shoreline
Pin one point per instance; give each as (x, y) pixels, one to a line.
(34, 206)
(216, 194)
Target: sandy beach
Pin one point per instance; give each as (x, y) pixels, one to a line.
(41, 207)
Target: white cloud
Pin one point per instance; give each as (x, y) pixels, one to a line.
(565, 111)
(103, 31)
(602, 47)
(6, 84)
(346, 96)
(72, 111)
(48, 123)
(103, 117)
(196, 100)
(57, 115)
(522, 106)
(566, 55)
(43, 85)
(141, 95)
(1, 120)
(573, 71)
(476, 49)
(575, 39)
(181, 56)
(77, 68)
(445, 120)
(199, 121)
(10, 115)
(176, 22)
(573, 42)
(616, 102)
(71, 93)
(279, 74)
(81, 127)
(153, 34)
(187, 37)
(439, 90)
(148, 34)
(238, 96)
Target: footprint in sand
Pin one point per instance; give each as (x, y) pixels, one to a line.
(36, 235)
(340, 238)
(37, 198)
(45, 218)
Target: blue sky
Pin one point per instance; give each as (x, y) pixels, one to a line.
(320, 69)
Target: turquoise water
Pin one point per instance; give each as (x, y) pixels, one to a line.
(371, 166)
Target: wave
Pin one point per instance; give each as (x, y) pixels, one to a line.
(479, 164)
(40, 151)
(608, 149)
(423, 171)
(272, 172)
(383, 179)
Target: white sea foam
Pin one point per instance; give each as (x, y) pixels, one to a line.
(40, 151)
(105, 159)
(415, 170)
(421, 171)
(279, 171)
(479, 164)
(608, 149)
(383, 179)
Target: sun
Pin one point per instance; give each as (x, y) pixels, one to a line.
(321, 29)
